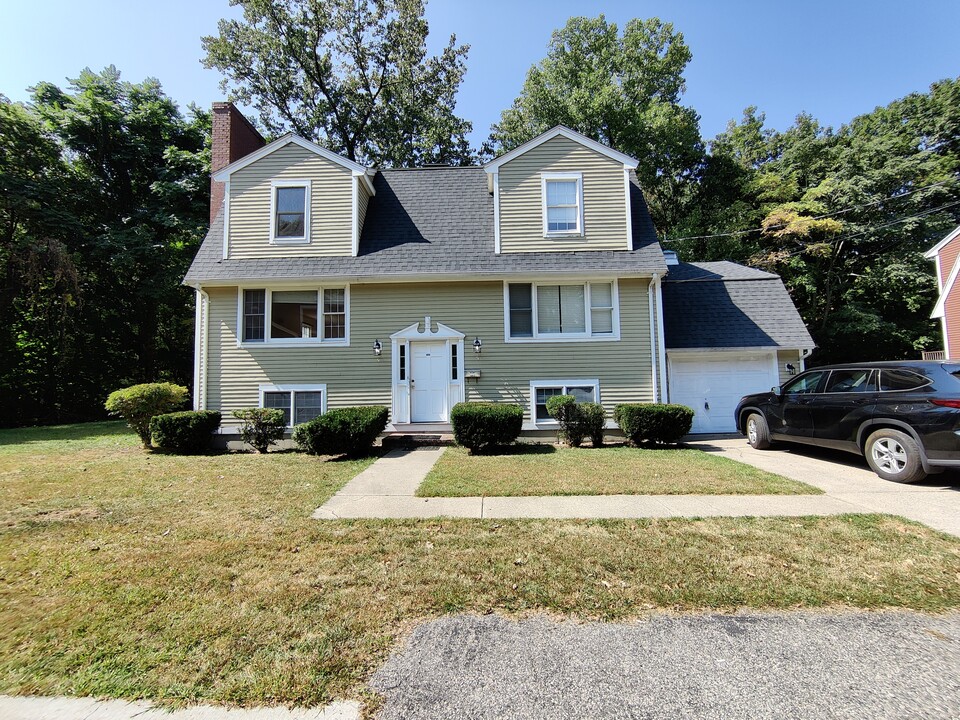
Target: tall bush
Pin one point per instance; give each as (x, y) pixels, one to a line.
(345, 431)
(184, 432)
(655, 423)
(138, 403)
(480, 426)
(578, 420)
(261, 427)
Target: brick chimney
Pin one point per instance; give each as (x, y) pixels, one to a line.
(233, 138)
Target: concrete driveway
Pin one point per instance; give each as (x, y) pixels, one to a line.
(934, 501)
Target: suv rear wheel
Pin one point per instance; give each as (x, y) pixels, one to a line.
(894, 455)
(758, 432)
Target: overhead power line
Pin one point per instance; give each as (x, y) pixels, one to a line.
(736, 233)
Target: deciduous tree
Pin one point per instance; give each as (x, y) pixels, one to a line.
(354, 75)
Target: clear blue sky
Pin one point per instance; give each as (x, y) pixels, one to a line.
(834, 59)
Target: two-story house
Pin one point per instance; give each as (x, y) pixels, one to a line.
(323, 283)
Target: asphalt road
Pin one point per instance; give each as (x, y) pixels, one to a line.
(792, 665)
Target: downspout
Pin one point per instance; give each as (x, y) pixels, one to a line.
(654, 353)
(661, 344)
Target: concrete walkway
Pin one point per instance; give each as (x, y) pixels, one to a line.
(386, 490)
(847, 478)
(68, 708)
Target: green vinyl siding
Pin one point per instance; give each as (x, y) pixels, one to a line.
(355, 376)
(521, 201)
(784, 357)
(331, 205)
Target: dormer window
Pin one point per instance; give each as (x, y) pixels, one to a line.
(290, 219)
(562, 204)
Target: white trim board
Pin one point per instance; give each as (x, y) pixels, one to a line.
(932, 252)
(939, 308)
(561, 131)
(358, 170)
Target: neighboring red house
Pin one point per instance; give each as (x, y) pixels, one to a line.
(946, 253)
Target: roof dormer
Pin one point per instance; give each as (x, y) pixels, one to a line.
(560, 192)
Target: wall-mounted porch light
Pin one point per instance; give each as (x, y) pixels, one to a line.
(477, 346)
(377, 348)
(791, 370)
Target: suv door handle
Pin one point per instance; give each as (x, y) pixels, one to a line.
(803, 401)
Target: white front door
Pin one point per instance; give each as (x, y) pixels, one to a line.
(428, 382)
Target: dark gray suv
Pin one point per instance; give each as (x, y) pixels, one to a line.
(904, 417)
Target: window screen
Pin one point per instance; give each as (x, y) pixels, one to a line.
(521, 310)
(562, 206)
(291, 202)
(254, 310)
(560, 309)
(308, 404)
(280, 401)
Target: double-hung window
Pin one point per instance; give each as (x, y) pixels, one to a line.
(290, 212)
(294, 316)
(543, 390)
(561, 310)
(299, 403)
(562, 204)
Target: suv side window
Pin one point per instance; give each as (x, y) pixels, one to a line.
(893, 380)
(806, 383)
(848, 381)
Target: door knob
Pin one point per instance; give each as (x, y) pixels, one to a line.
(706, 405)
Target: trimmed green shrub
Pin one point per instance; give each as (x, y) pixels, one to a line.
(594, 419)
(655, 423)
(184, 432)
(261, 427)
(578, 420)
(563, 408)
(138, 403)
(480, 426)
(346, 431)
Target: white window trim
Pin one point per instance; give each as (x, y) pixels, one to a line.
(565, 176)
(293, 389)
(563, 384)
(305, 239)
(561, 337)
(289, 342)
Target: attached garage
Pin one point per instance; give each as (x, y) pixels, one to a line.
(729, 331)
(713, 383)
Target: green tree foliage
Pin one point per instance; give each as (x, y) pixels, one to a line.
(353, 75)
(103, 203)
(843, 216)
(621, 89)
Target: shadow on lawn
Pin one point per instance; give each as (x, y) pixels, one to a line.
(59, 433)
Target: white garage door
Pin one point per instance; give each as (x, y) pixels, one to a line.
(712, 384)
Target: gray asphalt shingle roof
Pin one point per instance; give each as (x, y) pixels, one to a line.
(433, 221)
(723, 305)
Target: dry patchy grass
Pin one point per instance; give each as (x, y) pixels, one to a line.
(180, 579)
(548, 470)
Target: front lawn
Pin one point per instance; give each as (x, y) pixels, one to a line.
(549, 470)
(136, 575)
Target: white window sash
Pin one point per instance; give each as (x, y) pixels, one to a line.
(588, 333)
(563, 385)
(299, 341)
(291, 183)
(562, 177)
(293, 390)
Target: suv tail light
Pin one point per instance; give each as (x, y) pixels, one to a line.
(947, 403)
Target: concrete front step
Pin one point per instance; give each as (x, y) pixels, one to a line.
(409, 441)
